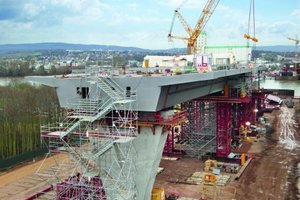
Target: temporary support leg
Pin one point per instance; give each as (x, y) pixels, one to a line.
(245, 113)
(169, 146)
(223, 129)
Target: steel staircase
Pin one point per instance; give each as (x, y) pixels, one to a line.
(71, 134)
(111, 88)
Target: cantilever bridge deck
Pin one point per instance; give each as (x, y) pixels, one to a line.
(156, 92)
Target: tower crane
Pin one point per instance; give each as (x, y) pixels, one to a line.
(193, 34)
(296, 61)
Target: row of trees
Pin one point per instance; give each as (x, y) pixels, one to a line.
(23, 109)
(16, 68)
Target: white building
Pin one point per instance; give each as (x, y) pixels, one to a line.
(168, 61)
(223, 55)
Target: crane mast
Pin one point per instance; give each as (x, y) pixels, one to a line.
(296, 61)
(193, 34)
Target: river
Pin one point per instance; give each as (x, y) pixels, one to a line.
(276, 84)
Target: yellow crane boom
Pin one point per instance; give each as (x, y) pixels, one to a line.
(193, 34)
(296, 61)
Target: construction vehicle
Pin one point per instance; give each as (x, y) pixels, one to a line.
(296, 61)
(193, 34)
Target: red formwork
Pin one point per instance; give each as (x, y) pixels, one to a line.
(169, 146)
(223, 129)
(259, 97)
(80, 188)
(245, 113)
(168, 123)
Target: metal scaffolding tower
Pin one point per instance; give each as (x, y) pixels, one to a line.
(200, 131)
(223, 129)
(97, 137)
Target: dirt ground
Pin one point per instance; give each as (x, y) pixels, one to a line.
(22, 182)
(270, 174)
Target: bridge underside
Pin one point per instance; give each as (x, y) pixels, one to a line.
(215, 125)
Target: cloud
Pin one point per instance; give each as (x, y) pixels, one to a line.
(132, 5)
(296, 13)
(194, 4)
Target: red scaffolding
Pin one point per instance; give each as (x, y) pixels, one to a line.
(76, 188)
(168, 123)
(223, 129)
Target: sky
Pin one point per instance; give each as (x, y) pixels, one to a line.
(144, 23)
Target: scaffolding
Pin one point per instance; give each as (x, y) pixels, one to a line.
(223, 131)
(199, 133)
(97, 139)
(213, 124)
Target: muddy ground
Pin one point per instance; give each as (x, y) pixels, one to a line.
(270, 175)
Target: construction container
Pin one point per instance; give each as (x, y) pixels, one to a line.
(158, 193)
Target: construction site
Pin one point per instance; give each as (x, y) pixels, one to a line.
(173, 130)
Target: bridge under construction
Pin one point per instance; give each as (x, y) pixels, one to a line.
(117, 128)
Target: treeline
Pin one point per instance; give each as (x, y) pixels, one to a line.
(23, 109)
(26, 67)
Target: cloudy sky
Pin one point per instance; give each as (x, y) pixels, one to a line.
(142, 23)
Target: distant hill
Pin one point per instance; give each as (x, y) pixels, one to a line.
(65, 46)
(276, 48)
(86, 47)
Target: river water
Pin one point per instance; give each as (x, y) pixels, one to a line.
(276, 84)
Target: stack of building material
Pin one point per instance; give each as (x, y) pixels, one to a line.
(185, 198)
(197, 178)
(159, 170)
